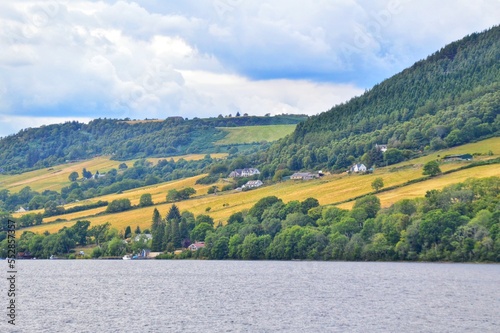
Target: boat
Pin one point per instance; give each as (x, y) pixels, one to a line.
(127, 257)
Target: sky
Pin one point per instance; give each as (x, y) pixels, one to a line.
(80, 60)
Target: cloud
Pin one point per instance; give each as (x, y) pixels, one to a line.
(121, 59)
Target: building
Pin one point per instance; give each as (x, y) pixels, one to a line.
(196, 246)
(464, 157)
(247, 172)
(253, 184)
(21, 210)
(146, 237)
(358, 167)
(304, 176)
(382, 148)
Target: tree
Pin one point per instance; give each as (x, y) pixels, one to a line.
(146, 200)
(119, 205)
(73, 176)
(370, 203)
(200, 231)
(173, 213)
(116, 247)
(157, 231)
(431, 168)
(86, 174)
(378, 183)
(393, 156)
(172, 195)
(128, 232)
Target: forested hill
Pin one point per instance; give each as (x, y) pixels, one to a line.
(448, 99)
(45, 146)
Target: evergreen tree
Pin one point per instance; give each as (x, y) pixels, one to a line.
(128, 232)
(173, 213)
(157, 231)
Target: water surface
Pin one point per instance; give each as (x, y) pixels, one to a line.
(252, 296)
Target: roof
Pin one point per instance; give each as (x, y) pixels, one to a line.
(254, 182)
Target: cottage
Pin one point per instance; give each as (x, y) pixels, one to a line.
(247, 172)
(21, 210)
(304, 176)
(146, 237)
(358, 167)
(382, 148)
(98, 175)
(253, 184)
(196, 246)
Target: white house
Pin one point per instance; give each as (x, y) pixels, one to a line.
(304, 176)
(382, 148)
(358, 168)
(20, 210)
(247, 172)
(253, 184)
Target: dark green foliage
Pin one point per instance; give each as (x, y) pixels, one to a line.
(431, 168)
(459, 223)
(146, 200)
(119, 205)
(437, 103)
(73, 176)
(128, 232)
(59, 210)
(174, 195)
(73, 141)
(377, 183)
(173, 213)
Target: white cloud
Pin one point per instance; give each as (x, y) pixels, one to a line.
(153, 58)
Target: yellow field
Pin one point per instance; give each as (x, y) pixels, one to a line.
(56, 177)
(328, 190)
(419, 189)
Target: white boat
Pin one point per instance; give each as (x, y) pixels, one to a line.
(127, 257)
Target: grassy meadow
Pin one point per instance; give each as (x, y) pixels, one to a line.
(55, 178)
(249, 134)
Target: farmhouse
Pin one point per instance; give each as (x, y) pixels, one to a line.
(20, 210)
(304, 176)
(358, 168)
(196, 246)
(146, 237)
(253, 184)
(382, 148)
(247, 172)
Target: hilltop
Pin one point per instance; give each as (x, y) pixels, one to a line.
(448, 99)
(36, 148)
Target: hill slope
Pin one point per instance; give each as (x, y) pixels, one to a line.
(36, 148)
(328, 190)
(450, 98)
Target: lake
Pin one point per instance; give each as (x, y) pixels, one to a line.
(253, 296)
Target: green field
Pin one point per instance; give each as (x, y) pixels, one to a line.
(55, 178)
(250, 134)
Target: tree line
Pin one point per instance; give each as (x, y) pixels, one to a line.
(459, 223)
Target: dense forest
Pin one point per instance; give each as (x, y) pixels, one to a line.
(36, 148)
(459, 223)
(448, 99)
